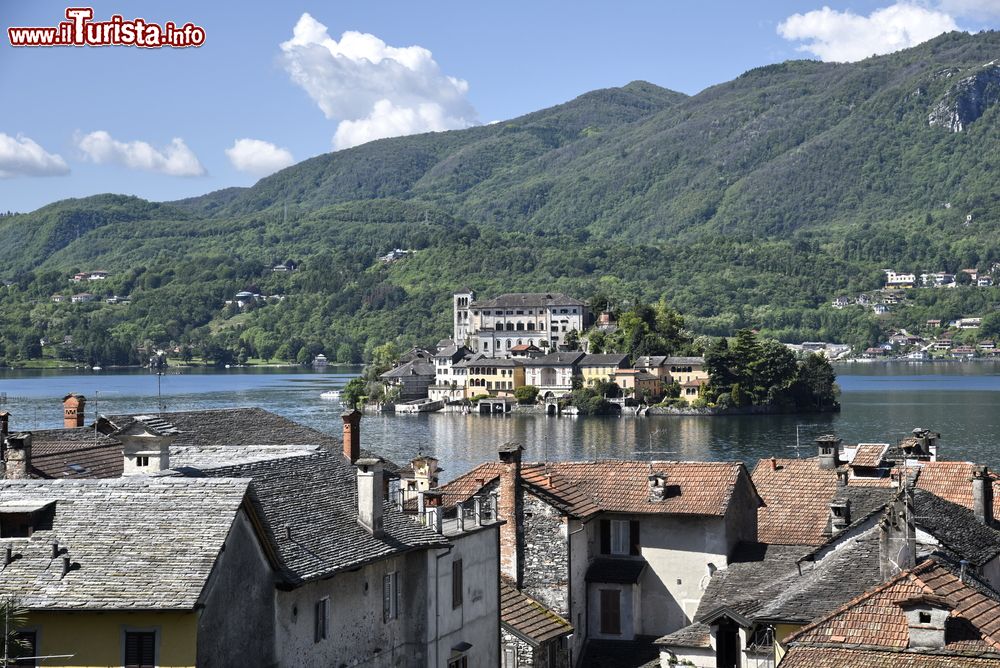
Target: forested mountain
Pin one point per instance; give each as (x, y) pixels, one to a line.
(750, 204)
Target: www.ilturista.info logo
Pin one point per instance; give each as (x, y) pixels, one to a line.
(81, 30)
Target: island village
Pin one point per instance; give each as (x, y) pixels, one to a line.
(237, 537)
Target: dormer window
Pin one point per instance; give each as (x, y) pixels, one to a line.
(20, 519)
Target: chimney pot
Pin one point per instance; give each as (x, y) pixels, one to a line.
(17, 456)
(657, 487)
(74, 410)
(352, 435)
(370, 495)
(982, 495)
(55, 549)
(774, 464)
(66, 565)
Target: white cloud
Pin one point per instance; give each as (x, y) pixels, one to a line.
(845, 37)
(21, 156)
(175, 160)
(257, 157)
(372, 89)
(973, 9)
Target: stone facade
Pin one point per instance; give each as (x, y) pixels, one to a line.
(546, 555)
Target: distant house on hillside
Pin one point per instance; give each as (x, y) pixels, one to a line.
(81, 298)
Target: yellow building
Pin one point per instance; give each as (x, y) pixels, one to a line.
(138, 571)
(486, 375)
(636, 383)
(601, 367)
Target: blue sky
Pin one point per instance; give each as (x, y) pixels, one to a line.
(168, 123)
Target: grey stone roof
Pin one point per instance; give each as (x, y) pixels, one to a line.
(491, 362)
(236, 427)
(692, 635)
(414, 368)
(604, 359)
(527, 300)
(316, 497)
(683, 360)
(211, 456)
(956, 527)
(555, 359)
(135, 543)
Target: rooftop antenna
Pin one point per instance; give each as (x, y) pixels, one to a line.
(798, 427)
(159, 393)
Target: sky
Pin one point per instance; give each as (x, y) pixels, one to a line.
(275, 83)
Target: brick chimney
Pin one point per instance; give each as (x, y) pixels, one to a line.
(829, 452)
(370, 495)
(510, 509)
(352, 435)
(982, 495)
(17, 456)
(898, 534)
(74, 410)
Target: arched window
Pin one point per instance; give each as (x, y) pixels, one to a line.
(531, 326)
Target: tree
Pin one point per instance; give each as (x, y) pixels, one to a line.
(14, 617)
(353, 392)
(526, 394)
(572, 341)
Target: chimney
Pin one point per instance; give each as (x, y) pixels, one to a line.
(352, 435)
(840, 515)
(17, 456)
(926, 619)
(774, 464)
(74, 410)
(510, 509)
(4, 425)
(897, 548)
(982, 495)
(829, 452)
(657, 487)
(370, 495)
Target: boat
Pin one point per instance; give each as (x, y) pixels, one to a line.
(320, 360)
(333, 395)
(96, 368)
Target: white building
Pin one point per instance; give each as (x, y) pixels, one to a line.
(895, 280)
(495, 326)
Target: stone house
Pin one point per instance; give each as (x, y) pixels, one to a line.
(531, 635)
(137, 571)
(411, 379)
(616, 548)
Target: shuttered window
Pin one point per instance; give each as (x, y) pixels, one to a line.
(322, 619)
(140, 649)
(611, 612)
(620, 537)
(390, 596)
(456, 582)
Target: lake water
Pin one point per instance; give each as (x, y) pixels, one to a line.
(880, 403)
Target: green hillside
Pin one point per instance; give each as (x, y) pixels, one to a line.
(751, 204)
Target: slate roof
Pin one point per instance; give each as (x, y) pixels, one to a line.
(237, 427)
(413, 368)
(527, 300)
(583, 489)
(650, 361)
(136, 543)
(687, 361)
(210, 456)
(316, 497)
(527, 618)
(956, 527)
(555, 359)
(606, 359)
(875, 621)
(90, 453)
(692, 635)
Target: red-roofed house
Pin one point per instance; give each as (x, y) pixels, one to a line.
(618, 548)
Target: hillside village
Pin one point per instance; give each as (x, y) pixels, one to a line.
(866, 554)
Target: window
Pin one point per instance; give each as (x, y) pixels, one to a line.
(510, 656)
(390, 596)
(456, 583)
(620, 537)
(322, 619)
(611, 623)
(925, 618)
(15, 525)
(140, 649)
(142, 460)
(459, 662)
(28, 646)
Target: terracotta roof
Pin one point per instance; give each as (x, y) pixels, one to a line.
(827, 657)
(527, 618)
(876, 620)
(869, 454)
(796, 494)
(582, 489)
(75, 453)
(952, 481)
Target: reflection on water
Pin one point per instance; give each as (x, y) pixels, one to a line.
(881, 402)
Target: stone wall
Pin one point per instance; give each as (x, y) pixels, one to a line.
(546, 555)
